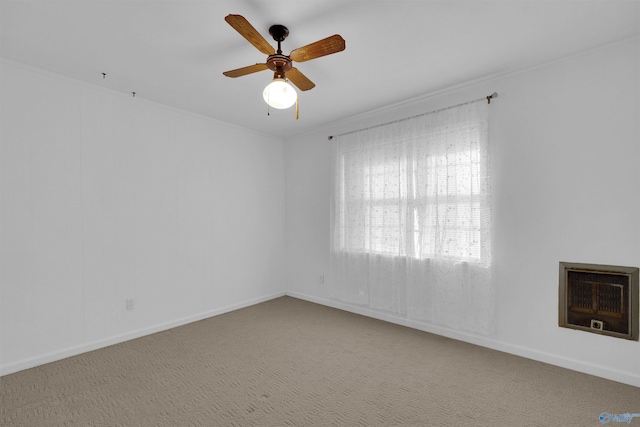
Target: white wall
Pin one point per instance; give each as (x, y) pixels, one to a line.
(565, 147)
(105, 197)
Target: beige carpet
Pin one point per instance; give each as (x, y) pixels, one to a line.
(288, 362)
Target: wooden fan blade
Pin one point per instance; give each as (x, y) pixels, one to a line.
(245, 70)
(246, 30)
(320, 48)
(299, 79)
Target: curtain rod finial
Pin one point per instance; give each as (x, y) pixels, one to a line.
(490, 97)
(330, 137)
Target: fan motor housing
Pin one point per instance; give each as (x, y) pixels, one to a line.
(280, 64)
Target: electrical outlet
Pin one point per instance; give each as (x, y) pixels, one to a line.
(131, 303)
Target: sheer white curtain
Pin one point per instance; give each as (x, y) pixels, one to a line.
(411, 219)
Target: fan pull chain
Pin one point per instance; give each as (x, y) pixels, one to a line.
(297, 109)
(268, 104)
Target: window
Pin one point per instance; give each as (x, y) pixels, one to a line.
(415, 190)
(411, 219)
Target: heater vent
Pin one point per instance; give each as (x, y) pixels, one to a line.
(599, 298)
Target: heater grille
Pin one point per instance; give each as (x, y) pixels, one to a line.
(599, 298)
(581, 296)
(611, 299)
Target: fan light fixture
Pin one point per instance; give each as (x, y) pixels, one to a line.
(280, 94)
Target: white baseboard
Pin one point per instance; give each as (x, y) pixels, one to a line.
(552, 359)
(95, 345)
(576, 365)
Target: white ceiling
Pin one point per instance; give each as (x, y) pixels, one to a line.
(174, 52)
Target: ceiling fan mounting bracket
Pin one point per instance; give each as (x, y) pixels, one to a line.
(279, 32)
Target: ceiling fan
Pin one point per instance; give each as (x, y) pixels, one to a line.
(279, 63)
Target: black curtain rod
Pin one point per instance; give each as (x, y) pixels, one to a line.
(488, 98)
